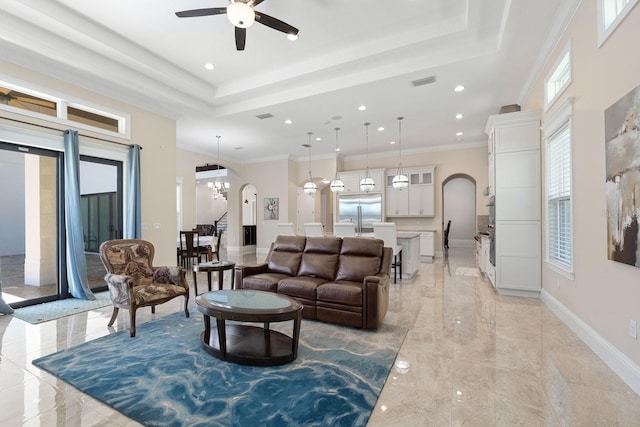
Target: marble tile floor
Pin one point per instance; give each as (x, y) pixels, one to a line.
(470, 358)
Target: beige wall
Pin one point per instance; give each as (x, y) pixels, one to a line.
(604, 294)
(157, 136)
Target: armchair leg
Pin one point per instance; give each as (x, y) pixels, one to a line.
(153, 309)
(113, 316)
(186, 306)
(132, 319)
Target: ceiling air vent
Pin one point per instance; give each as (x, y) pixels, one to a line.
(424, 81)
(264, 116)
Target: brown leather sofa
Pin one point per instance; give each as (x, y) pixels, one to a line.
(337, 280)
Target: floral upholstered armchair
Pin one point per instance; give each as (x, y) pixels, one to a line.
(133, 281)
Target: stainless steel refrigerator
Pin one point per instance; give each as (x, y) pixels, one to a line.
(363, 209)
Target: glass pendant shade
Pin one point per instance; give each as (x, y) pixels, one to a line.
(337, 186)
(241, 14)
(310, 187)
(367, 184)
(400, 181)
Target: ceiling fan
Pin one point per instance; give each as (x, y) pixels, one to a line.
(242, 15)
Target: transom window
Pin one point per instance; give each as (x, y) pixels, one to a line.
(54, 108)
(559, 78)
(610, 14)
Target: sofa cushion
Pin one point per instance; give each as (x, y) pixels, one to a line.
(320, 257)
(286, 254)
(301, 287)
(359, 257)
(263, 281)
(349, 293)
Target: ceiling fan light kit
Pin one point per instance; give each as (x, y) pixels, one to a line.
(242, 15)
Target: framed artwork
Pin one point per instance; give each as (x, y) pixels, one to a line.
(622, 147)
(271, 208)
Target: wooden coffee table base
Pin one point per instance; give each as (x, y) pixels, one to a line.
(249, 345)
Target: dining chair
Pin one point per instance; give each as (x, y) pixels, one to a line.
(216, 250)
(387, 232)
(313, 229)
(344, 229)
(189, 247)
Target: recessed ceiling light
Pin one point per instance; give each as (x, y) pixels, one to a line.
(288, 121)
(337, 149)
(458, 116)
(326, 181)
(318, 139)
(362, 108)
(459, 88)
(392, 142)
(459, 134)
(380, 129)
(209, 66)
(292, 37)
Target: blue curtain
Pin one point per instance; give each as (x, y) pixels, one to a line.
(133, 216)
(76, 261)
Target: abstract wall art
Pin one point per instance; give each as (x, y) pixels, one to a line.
(622, 146)
(271, 208)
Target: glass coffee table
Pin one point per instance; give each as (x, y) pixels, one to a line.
(248, 344)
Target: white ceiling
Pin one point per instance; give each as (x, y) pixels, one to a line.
(349, 53)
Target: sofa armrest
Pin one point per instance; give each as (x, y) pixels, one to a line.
(242, 271)
(376, 299)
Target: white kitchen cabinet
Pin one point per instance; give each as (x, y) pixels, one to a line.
(418, 199)
(427, 244)
(514, 147)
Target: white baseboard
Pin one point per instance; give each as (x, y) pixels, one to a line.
(626, 369)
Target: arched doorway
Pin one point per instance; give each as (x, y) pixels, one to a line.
(459, 207)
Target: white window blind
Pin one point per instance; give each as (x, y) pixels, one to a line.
(559, 197)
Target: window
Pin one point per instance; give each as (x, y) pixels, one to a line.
(54, 108)
(559, 79)
(558, 190)
(610, 14)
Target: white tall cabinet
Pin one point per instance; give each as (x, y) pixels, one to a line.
(515, 166)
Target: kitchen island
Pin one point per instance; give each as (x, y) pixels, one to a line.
(410, 242)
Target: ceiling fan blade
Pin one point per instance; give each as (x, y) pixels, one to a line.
(275, 23)
(241, 38)
(254, 3)
(201, 12)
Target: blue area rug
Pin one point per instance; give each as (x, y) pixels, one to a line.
(163, 377)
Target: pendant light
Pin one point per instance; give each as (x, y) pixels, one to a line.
(337, 186)
(310, 187)
(400, 181)
(367, 184)
(219, 185)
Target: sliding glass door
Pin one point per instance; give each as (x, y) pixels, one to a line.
(101, 209)
(30, 231)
